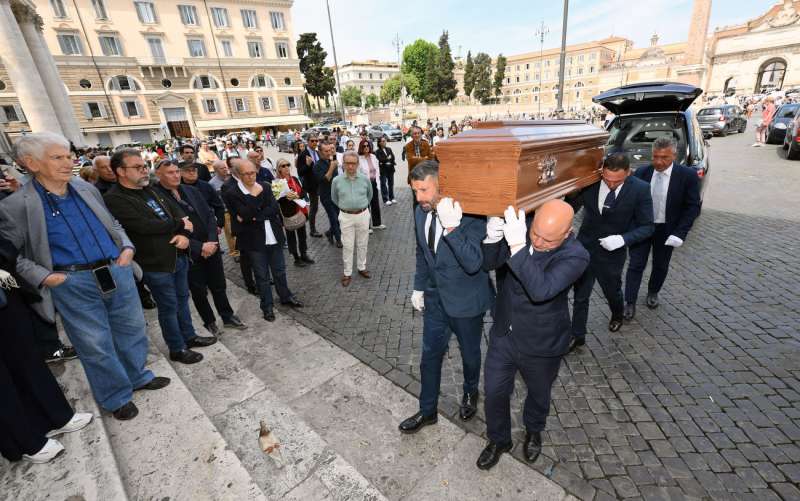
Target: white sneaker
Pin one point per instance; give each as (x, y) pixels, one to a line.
(78, 421)
(370, 231)
(50, 450)
(755, 145)
(388, 202)
(380, 227)
(394, 201)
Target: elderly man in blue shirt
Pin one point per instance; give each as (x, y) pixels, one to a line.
(81, 261)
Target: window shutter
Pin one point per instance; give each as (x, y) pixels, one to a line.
(233, 104)
(124, 109)
(20, 114)
(244, 104)
(138, 108)
(131, 83)
(103, 111)
(86, 111)
(3, 119)
(205, 106)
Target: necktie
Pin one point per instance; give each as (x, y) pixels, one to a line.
(432, 234)
(610, 199)
(658, 197)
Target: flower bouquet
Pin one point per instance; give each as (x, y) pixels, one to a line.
(280, 188)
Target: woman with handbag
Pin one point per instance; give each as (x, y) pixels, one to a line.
(294, 216)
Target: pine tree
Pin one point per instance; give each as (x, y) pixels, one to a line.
(319, 81)
(500, 74)
(469, 75)
(482, 72)
(445, 79)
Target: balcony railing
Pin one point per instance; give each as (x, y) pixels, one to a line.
(160, 61)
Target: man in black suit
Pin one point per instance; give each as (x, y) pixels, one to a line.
(618, 211)
(190, 177)
(306, 160)
(187, 155)
(531, 331)
(676, 204)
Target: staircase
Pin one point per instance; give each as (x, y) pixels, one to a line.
(334, 418)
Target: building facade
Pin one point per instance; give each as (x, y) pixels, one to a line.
(656, 63)
(140, 70)
(369, 75)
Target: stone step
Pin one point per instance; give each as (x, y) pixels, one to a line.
(87, 469)
(236, 401)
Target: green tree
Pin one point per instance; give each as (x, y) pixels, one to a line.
(319, 81)
(415, 62)
(351, 96)
(390, 93)
(445, 84)
(469, 75)
(482, 72)
(371, 101)
(500, 74)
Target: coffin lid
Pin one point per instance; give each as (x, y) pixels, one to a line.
(527, 131)
(648, 97)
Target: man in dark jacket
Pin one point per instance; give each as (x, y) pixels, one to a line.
(306, 160)
(187, 154)
(617, 212)
(189, 176)
(676, 204)
(531, 331)
(206, 271)
(160, 231)
(324, 171)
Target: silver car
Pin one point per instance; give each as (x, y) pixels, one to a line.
(386, 131)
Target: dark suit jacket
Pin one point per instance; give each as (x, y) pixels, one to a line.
(250, 233)
(456, 271)
(532, 295)
(683, 198)
(199, 236)
(305, 172)
(631, 216)
(386, 161)
(211, 198)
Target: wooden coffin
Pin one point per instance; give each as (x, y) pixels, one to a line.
(519, 162)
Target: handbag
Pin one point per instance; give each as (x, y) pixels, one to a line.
(295, 222)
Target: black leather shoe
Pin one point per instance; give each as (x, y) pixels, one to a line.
(630, 312)
(576, 343)
(417, 422)
(469, 406)
(293, 302)
(491, 455)
(235, 323)
(269, 315)
(614, 325)
(307, 259)
(201, 341)
(532, 446)
(185, 356)
(126, 412)
(652, 300)
(339, 244)
(148, 303)
(299, 263)
(253, 290)
(212, 328)
(156, 383)
(316, 234)
(329, 236)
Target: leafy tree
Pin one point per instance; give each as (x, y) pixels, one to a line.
(351, 96)
(371, 101)
(500, 74)
(469, 75)
(415, 62)
(390, 93)
(443, 86)
(482, 71)
(319, 81)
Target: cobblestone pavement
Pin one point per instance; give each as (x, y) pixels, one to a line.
(697, 399)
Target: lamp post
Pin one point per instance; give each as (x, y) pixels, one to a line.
(541, 32)
(563, 60)
(397, 44)
(335, 62)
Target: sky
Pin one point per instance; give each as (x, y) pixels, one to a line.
(365, 29)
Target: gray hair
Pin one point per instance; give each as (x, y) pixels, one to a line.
(98, 157)
(34, 145)
(665, 142)
(424, 169)
(349, 153)
(237, 163)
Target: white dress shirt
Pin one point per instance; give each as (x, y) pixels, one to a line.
(660, 209)
(604, 189)
(439, 231)
(270, 236)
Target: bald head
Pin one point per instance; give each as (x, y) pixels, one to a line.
(220, 168)
(551, 225)
(254, 157)
(102, 165)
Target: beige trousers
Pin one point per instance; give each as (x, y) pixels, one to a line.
(355, 233)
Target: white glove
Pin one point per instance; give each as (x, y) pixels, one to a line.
(612, 242)
(515, 229)
(418, 300)
(449, 213)
(494, 230)
(673, 241)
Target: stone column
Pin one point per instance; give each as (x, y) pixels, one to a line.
(22, 71)
(48, 72)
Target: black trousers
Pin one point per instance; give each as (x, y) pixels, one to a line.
(32, 401)
(608, 273)
(387, 186)
(375, 204)
(313, 197)
(45, 336)
(247, 270)
(297, 238)
(209, 275)
(503, 360)
(639, 254)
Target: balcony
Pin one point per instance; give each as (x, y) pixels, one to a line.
(160, 61)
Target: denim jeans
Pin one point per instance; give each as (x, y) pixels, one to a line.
(108, 333)
(333, 217)
(171, 293)
(270, 258)
(387, 187)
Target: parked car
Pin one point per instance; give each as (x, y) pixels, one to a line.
(319, 130)
(387, 131)
(776, 131)
(285, 143)
(721, 120)
(791, 140)
(645, 112)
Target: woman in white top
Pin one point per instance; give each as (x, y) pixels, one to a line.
(368, 165)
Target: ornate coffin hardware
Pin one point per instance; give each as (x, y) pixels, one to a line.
(547, 168)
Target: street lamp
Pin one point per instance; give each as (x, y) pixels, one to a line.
(563, 59)
(397, 44)
(335, 62)
(541, 32)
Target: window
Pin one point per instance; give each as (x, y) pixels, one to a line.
(359, 76)
(276, 18)
(59, 10)
(235, 82)
(592, 56)
(291, 101)
(239, 104)
(210, 105)
(84, 83)
(146, 12)
(2, 85)
(527, 66)
(380, 76)
(249, 19)
(188, 15)
(287, 81)
(261, 81)
(70, 44)
(282, 49)
(266, 103)
(204, 82)
(591, 69)
(156, 48)
(370, 76)
(227, 48)
(131, 108)
(197, 48)
(110, 45)
(770, 75)
(255, 48)
(94, 110)
(580, 58)
(100, 9)
(123, 83)
(166, 83)
(11, 113)
(580, 71)
(220, 17)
